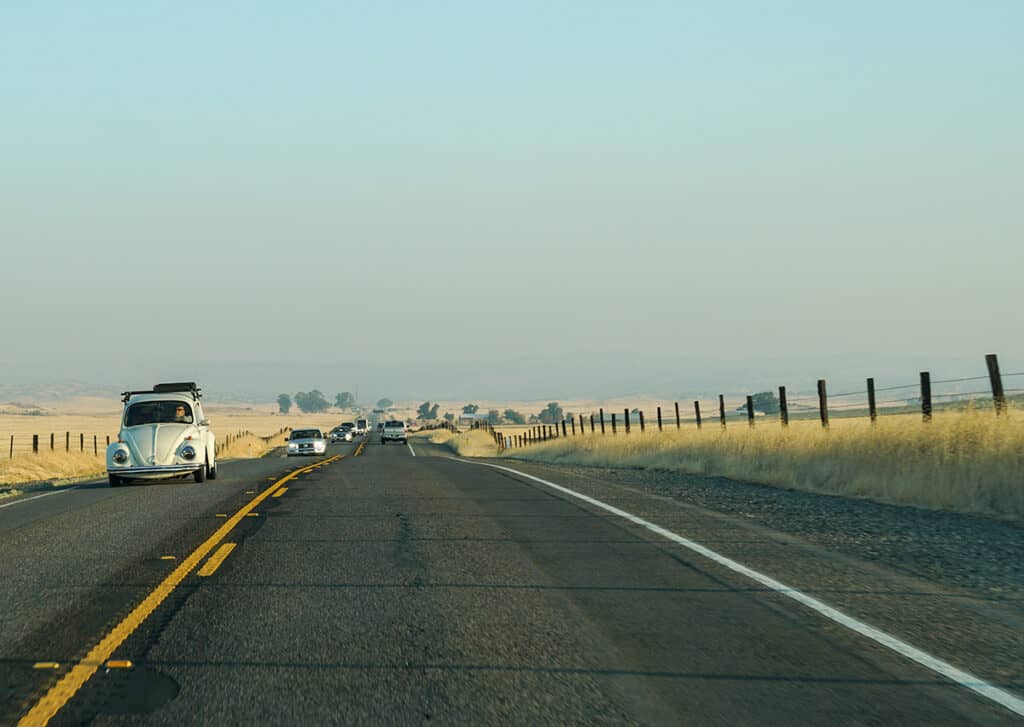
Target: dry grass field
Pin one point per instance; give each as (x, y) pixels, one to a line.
(100, 418)
(968, 461)
(472, 443)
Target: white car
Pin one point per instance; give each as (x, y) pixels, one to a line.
(164, 433)
(306, 441)
(393, 431)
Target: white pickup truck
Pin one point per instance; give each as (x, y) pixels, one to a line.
(393, 431)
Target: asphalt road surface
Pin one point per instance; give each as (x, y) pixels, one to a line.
(402, 586)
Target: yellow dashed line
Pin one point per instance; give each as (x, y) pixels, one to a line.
(46, 665)
(216, 559)
(168, 557)
(68, 685)
(119, 664)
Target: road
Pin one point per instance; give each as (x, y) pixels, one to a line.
(402, 586)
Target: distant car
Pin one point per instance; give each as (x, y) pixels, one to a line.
(362, 426)
(340, 434)
(164, 433)
(306, 441)
(393, 431)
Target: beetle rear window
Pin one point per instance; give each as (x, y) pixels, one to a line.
(158, 412)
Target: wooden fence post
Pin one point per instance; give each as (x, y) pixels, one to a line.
(659, 419)
(696, 410)
(67, 441)
(750, 410)
(679, 422)
(721, 409)
(625, 414)
(783, 407)
(642, 421)
(872, 408)
(573, 422)
(613, 422)
(996, 380)
(602, 420)
(563, 428)
(581, 424)
(51, 441)
(11, 456)
(35, 444)
(926, 396)
(95, 446)
(822, 403)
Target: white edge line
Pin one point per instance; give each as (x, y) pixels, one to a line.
(965, 679)
(410, 449)
(36, 497)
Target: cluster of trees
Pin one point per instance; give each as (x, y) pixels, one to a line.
(312, 402)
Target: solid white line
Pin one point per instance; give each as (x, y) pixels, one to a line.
(1006, 699)
(410, 449)
(36, 497)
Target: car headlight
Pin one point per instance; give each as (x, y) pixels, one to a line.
(120, 456)
(292, 445)
(188, 452)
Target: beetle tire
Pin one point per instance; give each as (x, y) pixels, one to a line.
(200, 474)
(115, 481)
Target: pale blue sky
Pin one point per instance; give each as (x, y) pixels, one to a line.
(358, 182)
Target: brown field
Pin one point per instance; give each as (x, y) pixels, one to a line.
(968, 461)
(100, 418)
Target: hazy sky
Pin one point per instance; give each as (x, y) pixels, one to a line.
(370, 190)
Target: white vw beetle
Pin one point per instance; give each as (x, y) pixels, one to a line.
(163, 434)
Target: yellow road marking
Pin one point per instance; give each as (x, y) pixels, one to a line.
(252, 514)
(216, 559)
(167, 557)
(66, 688)
(46, 665)
(280, 491)
(222, 514)
(119, 664)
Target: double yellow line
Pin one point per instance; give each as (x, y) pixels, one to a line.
(66, 688)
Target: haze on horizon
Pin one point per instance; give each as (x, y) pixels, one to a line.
(523, 200)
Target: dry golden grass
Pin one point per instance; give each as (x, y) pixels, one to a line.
(50, 466)
(473, 443)
(969, 461)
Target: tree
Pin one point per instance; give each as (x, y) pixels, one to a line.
(552, 414)
(470, 409)
(345, 400)
(384, 403)
(493, 416)
(514, 417)
(426, 411)
(766, 401)
(284, 403)
(311, 402)
(449, 416)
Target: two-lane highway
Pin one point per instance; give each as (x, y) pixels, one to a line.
(393, 588)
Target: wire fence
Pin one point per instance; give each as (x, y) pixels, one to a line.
(925, 397)
(96, 444)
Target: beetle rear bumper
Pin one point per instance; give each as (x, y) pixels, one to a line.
(155, 471)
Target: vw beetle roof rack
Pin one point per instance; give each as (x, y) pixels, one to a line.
(177, 387)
